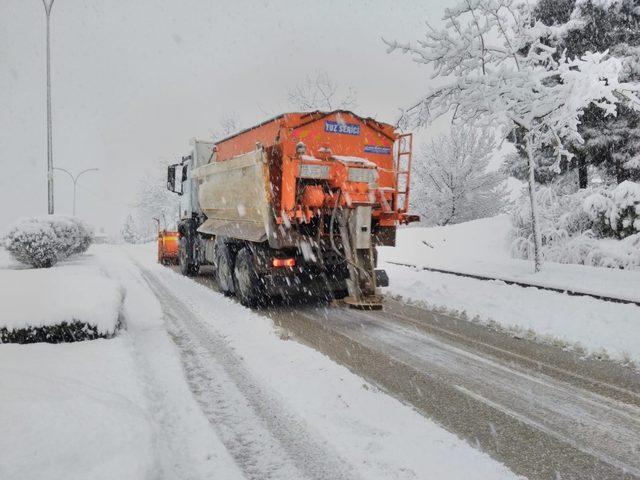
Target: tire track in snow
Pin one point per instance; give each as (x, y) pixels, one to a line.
(266, 441)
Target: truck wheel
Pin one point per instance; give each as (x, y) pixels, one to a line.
(248, 283)
(186, 267)
(224, 269)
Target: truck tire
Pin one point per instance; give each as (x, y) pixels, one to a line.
(248, 282)
(185, 260)
(225, 262)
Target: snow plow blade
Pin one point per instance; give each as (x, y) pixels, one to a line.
(369, 303)
(168, 243)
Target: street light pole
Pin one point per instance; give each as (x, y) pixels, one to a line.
(75, 182)
(47, 10)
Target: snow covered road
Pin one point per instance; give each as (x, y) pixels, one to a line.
(284, 411)
(576, 431)
(543, 412)
(265, 440)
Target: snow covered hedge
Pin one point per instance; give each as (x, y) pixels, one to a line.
(64, 304)
(597, 227)
(42, 241)
(62, 333)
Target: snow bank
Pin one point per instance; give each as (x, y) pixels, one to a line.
(599, 328)
(67, 293)
(484, 239)
(6, 260)
(480, 247)
(73, 411)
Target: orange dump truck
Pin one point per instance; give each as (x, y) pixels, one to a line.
(295, 204)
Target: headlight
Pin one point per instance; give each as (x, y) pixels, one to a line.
(366, 175)
(313, 171)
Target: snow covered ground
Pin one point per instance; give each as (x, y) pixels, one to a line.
(73, 411)
(122, 408)
(129, 407)
(481, 247)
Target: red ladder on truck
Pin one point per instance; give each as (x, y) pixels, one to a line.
(403, 172)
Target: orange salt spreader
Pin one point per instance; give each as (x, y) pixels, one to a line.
(302, 199)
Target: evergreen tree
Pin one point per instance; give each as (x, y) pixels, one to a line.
(128, 231)
(611, 143)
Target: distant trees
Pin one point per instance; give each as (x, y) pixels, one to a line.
(228, 124)
(318, 91)
(153, 200)
(496, 66)
(451, 183)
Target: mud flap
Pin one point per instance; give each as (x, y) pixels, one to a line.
(382, 279)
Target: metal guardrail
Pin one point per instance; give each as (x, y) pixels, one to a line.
(521, 284)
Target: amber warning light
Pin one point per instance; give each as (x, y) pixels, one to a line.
(284, 262)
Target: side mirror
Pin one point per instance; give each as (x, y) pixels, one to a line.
(171, 178)
(172, 186)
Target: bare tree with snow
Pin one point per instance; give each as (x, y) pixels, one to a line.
(228, 124)
(452, 183)
(318, 91)
(153, 200)
(496, 68)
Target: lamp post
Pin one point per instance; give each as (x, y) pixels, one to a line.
(75, 181)
(47, 10)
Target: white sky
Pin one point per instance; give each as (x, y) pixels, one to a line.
(133, 81)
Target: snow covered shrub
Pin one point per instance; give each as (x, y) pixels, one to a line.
(33, 242)
(575, 227)
(585, 249)
(561, 217)
(72, 303)
(85, 237)
(597, 206)
(615, 211)
(75, 236)
(42, 241)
